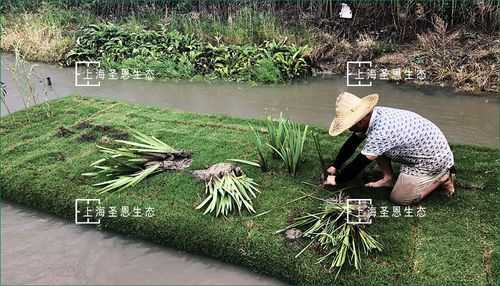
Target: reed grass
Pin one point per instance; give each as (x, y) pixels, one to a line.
(402, 13)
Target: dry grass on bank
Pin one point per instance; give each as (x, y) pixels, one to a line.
(36, 38)
(466, 60)
(456, 57)
(333, 51)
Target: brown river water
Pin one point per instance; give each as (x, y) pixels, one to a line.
(40, 249)
(463, 119)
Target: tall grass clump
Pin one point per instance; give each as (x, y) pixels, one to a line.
(240, 26)
(261, 150)
(287, 140)
(470, 65)
(276, 131)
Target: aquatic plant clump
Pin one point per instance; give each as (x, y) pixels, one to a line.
(337, 240)
(170, 54)
(228, 189)
(259, 144)
(287, 140)
(128, 165)
(276, 131)
(229, 193)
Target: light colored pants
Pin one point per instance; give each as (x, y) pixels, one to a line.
(408, 189)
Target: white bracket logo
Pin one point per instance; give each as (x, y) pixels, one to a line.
(363, 207)
(88, 216)
(87, 69)
(361, 71)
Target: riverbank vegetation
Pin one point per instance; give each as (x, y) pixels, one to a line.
(42, 162)
(455, 42)
(170, 54)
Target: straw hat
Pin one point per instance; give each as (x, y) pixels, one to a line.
(349, 109)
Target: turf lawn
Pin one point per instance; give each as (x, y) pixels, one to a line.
(454, 243)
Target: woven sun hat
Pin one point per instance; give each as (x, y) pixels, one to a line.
(349, 109)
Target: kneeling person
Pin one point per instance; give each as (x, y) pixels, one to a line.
(391, 135)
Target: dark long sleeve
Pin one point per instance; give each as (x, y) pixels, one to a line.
(352, 169)
(347, 150)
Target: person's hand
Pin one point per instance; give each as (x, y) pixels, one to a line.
(331, 170)
(330, 181)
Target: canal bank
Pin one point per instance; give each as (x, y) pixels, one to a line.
(455, 42)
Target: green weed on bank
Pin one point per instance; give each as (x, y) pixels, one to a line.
(170, 54)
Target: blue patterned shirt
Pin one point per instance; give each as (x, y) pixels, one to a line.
(408, 138)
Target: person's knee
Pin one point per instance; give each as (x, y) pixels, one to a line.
(394, 198)
(402, 200)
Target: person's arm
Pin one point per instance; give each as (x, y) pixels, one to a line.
(352, 169)
(347, 150)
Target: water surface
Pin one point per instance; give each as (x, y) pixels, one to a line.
(463, 119)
